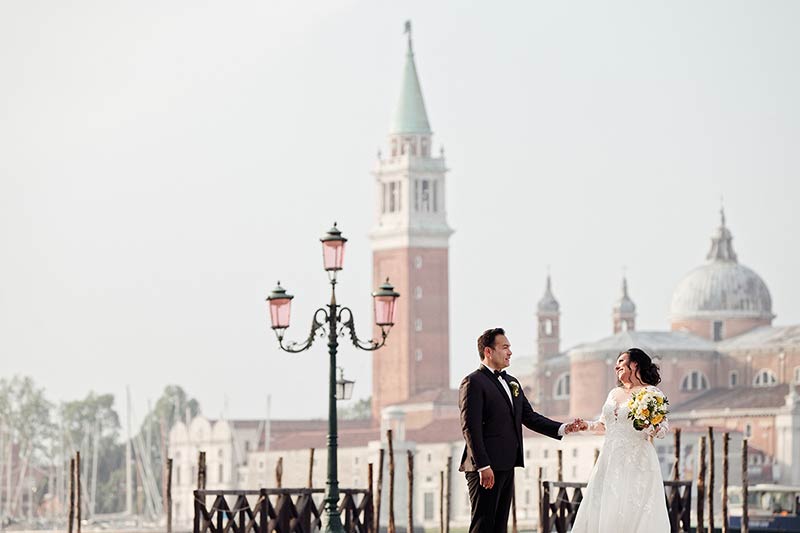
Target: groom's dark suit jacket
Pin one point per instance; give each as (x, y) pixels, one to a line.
(492, 425)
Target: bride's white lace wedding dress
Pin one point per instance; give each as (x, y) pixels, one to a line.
(626, 490)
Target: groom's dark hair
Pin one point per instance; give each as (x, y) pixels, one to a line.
(486, 340)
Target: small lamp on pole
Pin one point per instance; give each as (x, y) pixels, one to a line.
(344, 387)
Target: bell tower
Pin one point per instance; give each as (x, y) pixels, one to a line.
(548, 317)
(410, 246)
(623, 314)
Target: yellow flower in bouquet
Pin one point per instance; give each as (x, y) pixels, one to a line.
(647, 408)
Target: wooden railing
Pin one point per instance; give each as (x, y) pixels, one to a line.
(277, 510)
(559, 512)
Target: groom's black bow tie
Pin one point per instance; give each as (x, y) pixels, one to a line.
(499, 373)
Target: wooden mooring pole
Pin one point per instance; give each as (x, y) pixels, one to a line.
(725, 439)
(311, 469)
(71, 515)
(514, 508)
(745, 507)
(379, 492)
(78, 492)
(541, 501)
(410, 527)
(168, 494)
(710, 488)
(701, 485)
(560, 454)
(370, 495)
(441, 501)
(391, 528)
(448, 498)
(676, 470)
(201, 471)
(279, 473)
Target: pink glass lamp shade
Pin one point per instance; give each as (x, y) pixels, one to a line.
(333, 249)
(280, 306)
(384, 299)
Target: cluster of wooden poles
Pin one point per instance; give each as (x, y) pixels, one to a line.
(705, 481)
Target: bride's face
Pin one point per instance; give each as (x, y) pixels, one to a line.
(624, 369)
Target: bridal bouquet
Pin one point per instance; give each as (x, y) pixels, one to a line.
(647, 408)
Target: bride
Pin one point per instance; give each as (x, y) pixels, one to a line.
(626, 491)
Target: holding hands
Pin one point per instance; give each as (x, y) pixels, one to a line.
(575, 426)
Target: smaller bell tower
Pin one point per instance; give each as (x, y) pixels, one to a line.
(624, 311)
(548, 315)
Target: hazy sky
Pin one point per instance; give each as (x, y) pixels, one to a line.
(162, 164)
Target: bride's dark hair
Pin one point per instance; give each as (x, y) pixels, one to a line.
(646, 370)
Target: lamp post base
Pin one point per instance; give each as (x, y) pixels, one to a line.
(331, 522)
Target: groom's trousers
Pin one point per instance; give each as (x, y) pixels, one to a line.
(489, 507)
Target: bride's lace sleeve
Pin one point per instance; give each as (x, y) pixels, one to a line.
(599, 426)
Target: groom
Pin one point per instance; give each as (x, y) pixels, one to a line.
(493, 409)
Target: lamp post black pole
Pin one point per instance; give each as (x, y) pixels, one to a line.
(332, 521)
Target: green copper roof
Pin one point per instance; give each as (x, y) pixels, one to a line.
(410, 115)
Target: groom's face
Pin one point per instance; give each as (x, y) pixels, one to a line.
(499, 357)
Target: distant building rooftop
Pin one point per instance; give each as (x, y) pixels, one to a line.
(765, 337)
(653, 342)
(737, 398)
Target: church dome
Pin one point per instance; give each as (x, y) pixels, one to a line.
(721, 288)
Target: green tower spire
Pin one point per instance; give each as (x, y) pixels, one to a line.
(410, 115)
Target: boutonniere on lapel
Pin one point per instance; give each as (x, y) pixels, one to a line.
(514, 388)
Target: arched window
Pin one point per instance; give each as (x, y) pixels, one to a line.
(418, 324)
(733, 379)
(694, 381)
(548, 327)
(764, 378)
(623, 325)
(418, 293)
(561, 388)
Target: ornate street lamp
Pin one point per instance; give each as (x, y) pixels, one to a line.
(335, 319)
